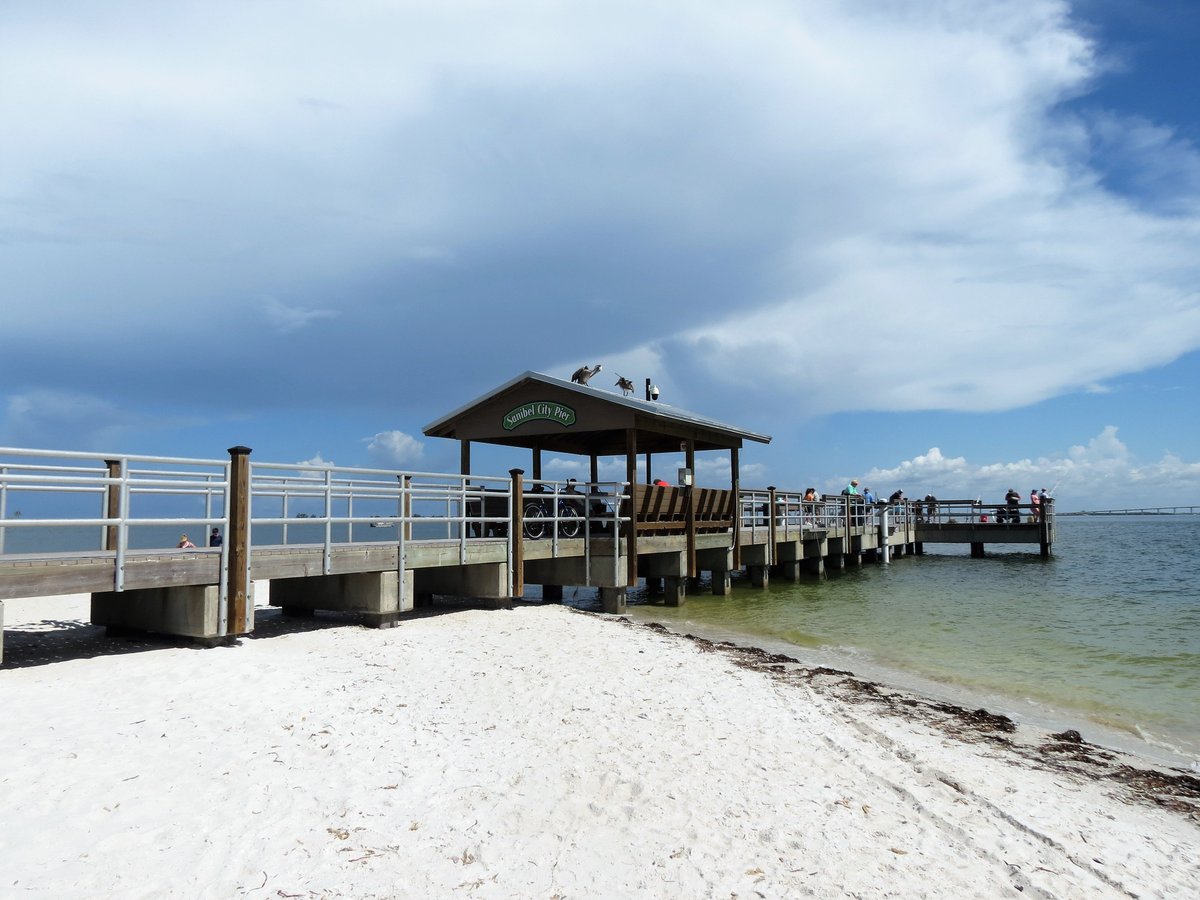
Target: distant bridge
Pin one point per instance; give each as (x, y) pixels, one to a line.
(1139, 511)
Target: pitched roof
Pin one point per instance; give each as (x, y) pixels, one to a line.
(600, 427)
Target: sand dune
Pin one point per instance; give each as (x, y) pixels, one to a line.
(536, 752)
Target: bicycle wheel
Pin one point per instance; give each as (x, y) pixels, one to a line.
(535, 526)
(567, 527)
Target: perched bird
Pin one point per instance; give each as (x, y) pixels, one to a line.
(583, 374)
(624, 384)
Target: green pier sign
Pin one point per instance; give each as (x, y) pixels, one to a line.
(539, 410)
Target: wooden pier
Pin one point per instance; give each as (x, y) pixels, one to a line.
(380, 542)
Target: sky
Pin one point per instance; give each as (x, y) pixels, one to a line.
(945, 246)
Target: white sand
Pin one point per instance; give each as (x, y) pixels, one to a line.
(528, 753)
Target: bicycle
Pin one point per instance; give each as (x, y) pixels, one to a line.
(538, 512)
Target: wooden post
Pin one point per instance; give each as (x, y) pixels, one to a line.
(771, 526)
(1044, 526)
(516, 532)
(406, 505)
(594, 470)
(112, 503)
(735, 478)
(691, 509)
(238, 541)
(537, 463)
(630, 527)
(464, 457)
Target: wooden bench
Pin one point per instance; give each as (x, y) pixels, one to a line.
(662, 509)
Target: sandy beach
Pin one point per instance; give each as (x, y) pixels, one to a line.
(539, 752)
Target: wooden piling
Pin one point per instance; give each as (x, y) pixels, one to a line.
(112, 503)
(516, 531)
(238, 541)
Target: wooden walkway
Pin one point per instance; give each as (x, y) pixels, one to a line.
(445, 534)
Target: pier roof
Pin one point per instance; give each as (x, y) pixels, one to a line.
(539, 411)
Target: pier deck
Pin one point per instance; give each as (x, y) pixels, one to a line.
(464, 535)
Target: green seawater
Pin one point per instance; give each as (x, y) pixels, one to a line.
(1106, 633)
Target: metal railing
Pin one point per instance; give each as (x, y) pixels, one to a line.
(573, 510)
(122, 486)
(794, 515)
(978, 512)
(327, 502)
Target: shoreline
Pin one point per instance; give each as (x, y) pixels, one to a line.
(1149, 780)
(545, 751)
(1131, 742)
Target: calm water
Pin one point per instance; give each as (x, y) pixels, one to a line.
(1107, 633)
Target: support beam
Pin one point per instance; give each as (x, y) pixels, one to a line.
(690, 509)
(191, 611)
(977, 550)
(735, 481)
(464, 457)
(722, 584)
(613, 599)
(760, 576)
(376, 595)
(674, 590)
(629, 529)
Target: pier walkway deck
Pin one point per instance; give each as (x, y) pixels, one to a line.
(379, 542)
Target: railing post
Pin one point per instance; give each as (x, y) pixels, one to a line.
(690, 494)
(406, 505)
(404, 535)
(112, 503)
(772, 518)
(238, 541)
(3, 516)
(516, 533)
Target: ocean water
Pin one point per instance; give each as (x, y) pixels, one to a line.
(1105, 635)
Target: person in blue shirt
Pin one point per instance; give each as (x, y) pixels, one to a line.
(868, 496)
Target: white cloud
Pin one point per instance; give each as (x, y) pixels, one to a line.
(394, 448)
(317, 461)
(839, 206)
(1101, 474)
(286, 318)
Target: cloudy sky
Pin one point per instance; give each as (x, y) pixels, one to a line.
(944, 245)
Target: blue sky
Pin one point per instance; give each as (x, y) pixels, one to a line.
(938, 245)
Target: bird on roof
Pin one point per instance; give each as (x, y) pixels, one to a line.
(583, 374)
(624, 384)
